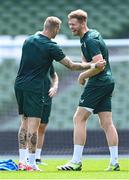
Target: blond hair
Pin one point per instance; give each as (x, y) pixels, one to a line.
(78, 14)
(52, 22)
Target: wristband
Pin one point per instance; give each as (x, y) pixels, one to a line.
(92, 65)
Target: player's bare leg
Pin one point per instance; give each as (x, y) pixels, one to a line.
(41, 136)
(80, 119)
(32, 134)
(112, 137)
(22, 139)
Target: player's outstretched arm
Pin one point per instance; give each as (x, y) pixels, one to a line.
(81, 66)
(74, 66)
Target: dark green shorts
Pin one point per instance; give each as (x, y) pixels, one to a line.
(97, 98)
(46, 110)
(31, 104)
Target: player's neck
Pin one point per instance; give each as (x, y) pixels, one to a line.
(47, 34)
(84, 30)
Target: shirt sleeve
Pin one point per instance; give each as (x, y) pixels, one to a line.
(56, 52)
(93, 47)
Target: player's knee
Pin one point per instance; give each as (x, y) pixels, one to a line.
(106, 125)
(77, 119)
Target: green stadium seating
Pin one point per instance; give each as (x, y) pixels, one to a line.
(109, 17)
(26, 17)
(64, 107)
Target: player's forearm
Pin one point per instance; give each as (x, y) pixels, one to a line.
(80, 66)
(75, 66)
(89, 73)
(54, 85)
(55, 81)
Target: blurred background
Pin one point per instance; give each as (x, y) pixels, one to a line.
(22, 18)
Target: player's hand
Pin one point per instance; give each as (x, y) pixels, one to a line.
(81, 80)
(52, 91)
(100, 64)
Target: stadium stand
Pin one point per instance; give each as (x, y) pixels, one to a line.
(64, 106)
(8, 71)
(26, 17)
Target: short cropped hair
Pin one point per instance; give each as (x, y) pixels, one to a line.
(78, 14)
(52, 22)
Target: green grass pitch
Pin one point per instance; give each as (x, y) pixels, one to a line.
(92, 169)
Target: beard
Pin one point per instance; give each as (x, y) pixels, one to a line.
(75, 33)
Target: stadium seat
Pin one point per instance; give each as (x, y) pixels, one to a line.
(23, 11)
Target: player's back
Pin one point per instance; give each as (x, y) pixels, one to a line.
(35, 54)
(35, 62)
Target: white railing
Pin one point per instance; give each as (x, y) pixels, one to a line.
(10, 47)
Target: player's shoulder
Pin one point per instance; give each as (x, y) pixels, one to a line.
(29, 39)
(93, 33)
(54, 45)
(92, 36)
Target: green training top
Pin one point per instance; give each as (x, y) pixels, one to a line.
(92, 44)
(38, 53)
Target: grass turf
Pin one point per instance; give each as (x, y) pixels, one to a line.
(92, 169)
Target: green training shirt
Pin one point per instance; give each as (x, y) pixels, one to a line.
(92, 44)
(38, 53)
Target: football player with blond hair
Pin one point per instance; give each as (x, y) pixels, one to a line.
(96, 97)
